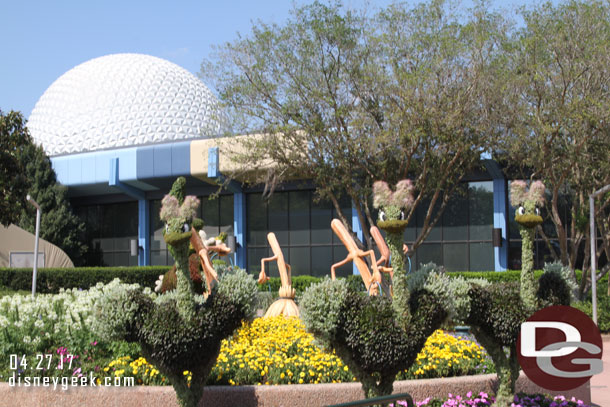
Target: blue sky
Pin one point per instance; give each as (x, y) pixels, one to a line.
(41, 40)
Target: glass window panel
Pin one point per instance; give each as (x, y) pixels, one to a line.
(455, 217)
(257, 220)
(123, 243)
(513, 228)
(300, 260)
(254, 260)
(209, 214)
(455, 256)
(340, 253)
(108, 216)
(481, 256)
(107, 244)
(422, 209)
(410, 232)
(226, 214)
(321, 216)
(133, 260)
(108, 259)
(346, 208)
(278, 217)
(321, 260)
(299, 217)
(481, 208)
(158, 257)
(125, 219)
(514, 255)
(121, 259)
(542, 253)
(430, 252)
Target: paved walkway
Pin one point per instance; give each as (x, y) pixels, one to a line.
(600, 384)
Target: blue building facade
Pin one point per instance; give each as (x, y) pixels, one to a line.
(118, 193)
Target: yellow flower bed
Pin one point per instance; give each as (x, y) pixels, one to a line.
(142, 371)
(445, 355)
(278, 350)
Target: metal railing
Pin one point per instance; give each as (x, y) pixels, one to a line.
(383, 400)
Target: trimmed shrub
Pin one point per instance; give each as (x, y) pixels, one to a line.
(51, 280)
(553, 289)
(566, 275)
(371, 337)
(497, 311)
(321, 307)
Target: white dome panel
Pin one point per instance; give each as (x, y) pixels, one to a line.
(123, 100)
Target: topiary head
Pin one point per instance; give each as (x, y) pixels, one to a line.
(392, 204)
(178, 213)
(527, 202)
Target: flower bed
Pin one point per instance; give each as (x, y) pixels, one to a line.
(278, 350)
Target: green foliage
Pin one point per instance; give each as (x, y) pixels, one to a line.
(494, 276)
(54, 324)
(287, 82)
(364, 332)
(51, 280)
(116, 310)
(529, 285)
(603, 305)
(393, 225)
(169, 340)
(427, 315)
(299, 283)
(178, 188)
(321, 306)
(14, 138)
(240, 289)
(376, 343)
(497, 310)
(182, 329)
(553, 290)
(548, 101)
(198, 224)
(58, 223)
(418, 279)
(566, 275)
(451, 289)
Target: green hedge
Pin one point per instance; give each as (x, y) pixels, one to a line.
(50, 280)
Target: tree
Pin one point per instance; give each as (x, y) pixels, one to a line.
(345, 99)
(58, 224)
(14, 137)
(557, 118)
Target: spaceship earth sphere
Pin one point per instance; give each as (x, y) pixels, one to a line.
(123, 100)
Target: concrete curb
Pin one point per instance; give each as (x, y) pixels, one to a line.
(303, 395)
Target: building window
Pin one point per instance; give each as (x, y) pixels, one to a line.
(461, 240)
(109, 230)
(217, 215)
(302, 228)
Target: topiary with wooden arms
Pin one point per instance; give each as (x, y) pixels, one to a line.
(181, 329)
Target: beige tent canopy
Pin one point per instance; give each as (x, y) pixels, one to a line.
(17, 250)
